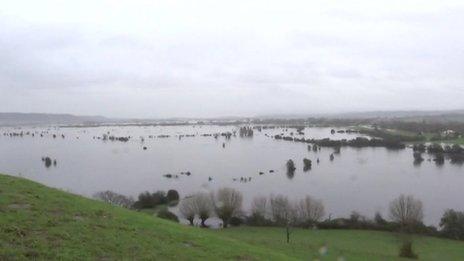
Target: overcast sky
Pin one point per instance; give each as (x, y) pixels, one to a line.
(223, 58)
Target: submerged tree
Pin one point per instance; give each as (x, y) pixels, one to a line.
(48, 162)
(439, 159)
(290, 168)
(417, 158)
(315, 149)
(307, 164)
(246, 132)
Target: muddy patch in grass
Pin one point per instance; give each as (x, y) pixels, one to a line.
(19, 206)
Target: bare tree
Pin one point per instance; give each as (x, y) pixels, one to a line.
(259, 212)
(187, 209)
(227, 204)
(283, 213)
(203, 206)
(309, 211)
(114, 198)
(259, 207)
(406, 210)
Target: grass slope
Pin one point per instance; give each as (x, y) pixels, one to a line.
(44, 223)
(37, 222)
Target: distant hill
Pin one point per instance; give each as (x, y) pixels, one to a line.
(436, 116)
(14, 118)
(452, 114)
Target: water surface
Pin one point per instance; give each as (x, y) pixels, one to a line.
(363, 180)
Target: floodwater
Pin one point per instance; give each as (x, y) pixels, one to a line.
(363, 180)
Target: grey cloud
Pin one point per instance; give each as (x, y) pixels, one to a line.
(341, 60)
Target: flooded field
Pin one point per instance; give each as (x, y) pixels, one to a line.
(193, 158)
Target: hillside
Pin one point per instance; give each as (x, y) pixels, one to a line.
(38, 222)
(13, 119)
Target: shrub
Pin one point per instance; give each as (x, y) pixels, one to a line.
(235, 221)
(172, 197)
(114, 198)
(147, 200)
(166, 214)
(452, 224)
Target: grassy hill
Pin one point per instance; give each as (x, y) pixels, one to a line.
(37, 222)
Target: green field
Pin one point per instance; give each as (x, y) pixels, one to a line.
(404, 133)
(37, 222)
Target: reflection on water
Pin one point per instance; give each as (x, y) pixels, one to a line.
(364, 179)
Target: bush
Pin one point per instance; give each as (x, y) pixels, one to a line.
(452, 224)
(166, 214)
(258, 220)
(147, 200)
(172, 197)
(114, 198)
(235, 221)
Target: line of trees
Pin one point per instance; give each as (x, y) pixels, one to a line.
(358, 142)
(226, 204)
(405, 213)
(454, 152)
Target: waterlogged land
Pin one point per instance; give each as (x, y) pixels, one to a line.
(132, 159)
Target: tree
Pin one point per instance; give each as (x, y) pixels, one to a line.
(259, 211)
(417, 158)
(307, 164)
(187, 209)
(147, 200)
(309, 211)
(439, 159)
(259, 206)
(48, 162)
(407, 211)
(172, 197)
(290, 168)
(203, 206)
(283, 213)
(379, 220)
(114, 198)
(227, 204)
(452, 224)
